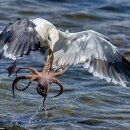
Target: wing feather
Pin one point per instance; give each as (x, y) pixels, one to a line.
(19, 38)
(97, 54)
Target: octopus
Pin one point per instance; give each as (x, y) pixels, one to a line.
(44, 79)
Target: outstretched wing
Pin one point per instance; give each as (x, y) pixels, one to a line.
(97, 54)
(19, 38)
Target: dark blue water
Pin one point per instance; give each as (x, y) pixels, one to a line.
(87, 102)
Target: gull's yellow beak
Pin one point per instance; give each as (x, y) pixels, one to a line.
(51, 47)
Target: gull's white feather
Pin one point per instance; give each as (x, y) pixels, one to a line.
(95, 52)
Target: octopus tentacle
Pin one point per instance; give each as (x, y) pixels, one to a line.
(28, 68)
(56, 81)
(22, 89)
(17, 79)
(48, 65)
(15, 83)
(43, 91)
(61, 88)
(46, 93)
(44, 101)
(61, 70)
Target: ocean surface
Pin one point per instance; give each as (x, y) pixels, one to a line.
(87, 103)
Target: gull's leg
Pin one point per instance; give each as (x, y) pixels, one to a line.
(11, 68)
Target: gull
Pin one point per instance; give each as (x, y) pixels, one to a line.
(91, 49)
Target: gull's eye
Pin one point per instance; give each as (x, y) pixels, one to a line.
(49, 38)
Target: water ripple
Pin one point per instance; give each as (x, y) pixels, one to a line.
(87, 102)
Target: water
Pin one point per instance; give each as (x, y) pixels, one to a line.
(87, 103)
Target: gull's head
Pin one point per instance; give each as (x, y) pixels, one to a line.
(48, 32)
